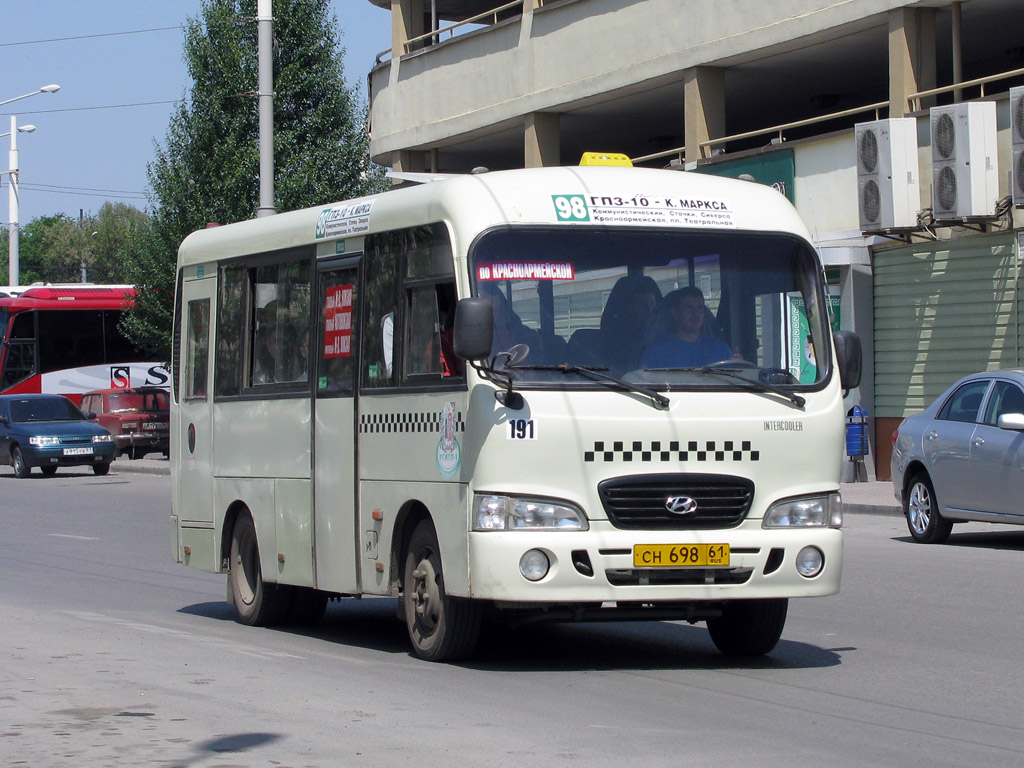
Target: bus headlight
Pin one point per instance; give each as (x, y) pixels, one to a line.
(43, 440)
(808, 512)
(509, 513)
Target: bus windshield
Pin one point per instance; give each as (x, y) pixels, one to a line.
(668, 309)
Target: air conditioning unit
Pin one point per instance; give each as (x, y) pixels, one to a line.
(1017, 145)
(964, 176)
(888, 195)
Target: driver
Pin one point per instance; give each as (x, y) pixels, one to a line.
(688, 345)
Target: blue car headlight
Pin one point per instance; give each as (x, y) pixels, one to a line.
(102, 439)
(43, 440)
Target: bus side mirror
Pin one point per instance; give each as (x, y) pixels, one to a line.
(474, 328)
(849, 357)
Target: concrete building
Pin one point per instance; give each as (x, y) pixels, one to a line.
(773, 91)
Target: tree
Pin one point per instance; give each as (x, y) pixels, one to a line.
(54, 248)
(208, 168)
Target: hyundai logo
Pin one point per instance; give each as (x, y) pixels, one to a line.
(680, 505)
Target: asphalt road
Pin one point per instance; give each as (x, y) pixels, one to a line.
(112, 655)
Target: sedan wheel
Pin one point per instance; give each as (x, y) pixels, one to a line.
(920, 506)
(21, 468)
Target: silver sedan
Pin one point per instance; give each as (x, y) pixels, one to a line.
(962, 458)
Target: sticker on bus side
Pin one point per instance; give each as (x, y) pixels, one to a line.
(338, 322)
(526, 271)
(644, 209)
(344, 220)
(449, 452)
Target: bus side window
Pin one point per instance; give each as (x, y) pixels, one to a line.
(228, 370)
(198, 349)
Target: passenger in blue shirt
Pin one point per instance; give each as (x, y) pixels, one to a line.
(689, 345)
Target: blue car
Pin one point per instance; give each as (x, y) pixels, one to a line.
(48, 431)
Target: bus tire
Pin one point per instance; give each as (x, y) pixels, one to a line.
(257, 604)
(21, 467)
(441, 628)
(749, 627)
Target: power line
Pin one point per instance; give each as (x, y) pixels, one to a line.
(87, 189)
(86, 109)
(86, 37)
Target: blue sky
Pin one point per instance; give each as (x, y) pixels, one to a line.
(92, 143)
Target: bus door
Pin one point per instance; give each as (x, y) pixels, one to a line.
(334, 436)
(192, 435)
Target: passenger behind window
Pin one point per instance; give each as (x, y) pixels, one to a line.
(624, 324)
(687, 340)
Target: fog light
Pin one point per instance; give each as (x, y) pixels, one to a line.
(810, 561)
(534, 565)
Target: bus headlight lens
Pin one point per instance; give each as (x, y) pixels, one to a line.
(810, 512)
(43, 440)
(534, 565)
(508, 513)
(809, 562)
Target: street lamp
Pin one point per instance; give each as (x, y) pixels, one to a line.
(13, 228)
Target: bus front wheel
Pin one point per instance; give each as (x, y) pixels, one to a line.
(749, 627)
(441, 628)
(256, 603)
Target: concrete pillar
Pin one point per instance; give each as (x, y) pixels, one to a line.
(542, 145)
(406, 23)
(911, 57)
(409, 161)
(703, 108)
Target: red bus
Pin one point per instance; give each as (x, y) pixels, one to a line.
(64, 339)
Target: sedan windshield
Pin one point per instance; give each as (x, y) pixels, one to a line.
(656, 309)
(44, 409)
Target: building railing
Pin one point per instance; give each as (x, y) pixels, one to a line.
(877, 107)
(433, 37)
(914, 99)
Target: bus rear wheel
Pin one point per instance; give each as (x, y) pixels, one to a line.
(749, 627)
(441, 628)
(256, 603)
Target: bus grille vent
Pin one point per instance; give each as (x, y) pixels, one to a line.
(701, 501)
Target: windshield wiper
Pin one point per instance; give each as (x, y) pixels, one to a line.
(595, 375)
(755, 384)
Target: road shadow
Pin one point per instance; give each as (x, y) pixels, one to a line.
(372, 623)
(1008, 540)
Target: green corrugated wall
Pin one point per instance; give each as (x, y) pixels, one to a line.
(943, 310)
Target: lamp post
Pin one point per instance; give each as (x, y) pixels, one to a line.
(13, 227)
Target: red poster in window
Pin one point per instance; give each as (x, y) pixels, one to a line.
(338, 322)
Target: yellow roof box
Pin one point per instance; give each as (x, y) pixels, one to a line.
(605, 158)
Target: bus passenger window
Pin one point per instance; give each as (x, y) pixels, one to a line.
(198, 349)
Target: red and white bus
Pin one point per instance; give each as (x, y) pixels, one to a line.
(64, 339)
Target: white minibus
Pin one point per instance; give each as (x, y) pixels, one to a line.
(575, 393)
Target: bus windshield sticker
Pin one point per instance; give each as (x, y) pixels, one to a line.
(338, 322)
(449, 453)
(526, 271)
(644, 209)
(343, 220)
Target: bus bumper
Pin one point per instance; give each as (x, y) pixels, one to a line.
(597, 566)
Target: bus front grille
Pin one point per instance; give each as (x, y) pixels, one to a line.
(676, 501)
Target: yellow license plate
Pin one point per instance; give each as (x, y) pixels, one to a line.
(680, 555)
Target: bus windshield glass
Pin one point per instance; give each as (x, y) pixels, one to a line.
(664, 309)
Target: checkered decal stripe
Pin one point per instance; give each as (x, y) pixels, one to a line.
(710, 450)
(379, 423)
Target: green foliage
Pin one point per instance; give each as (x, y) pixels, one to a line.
(52, 248)
(208, 167)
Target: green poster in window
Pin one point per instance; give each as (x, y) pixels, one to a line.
(801, 356)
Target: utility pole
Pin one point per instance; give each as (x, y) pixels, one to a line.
(265, 50)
